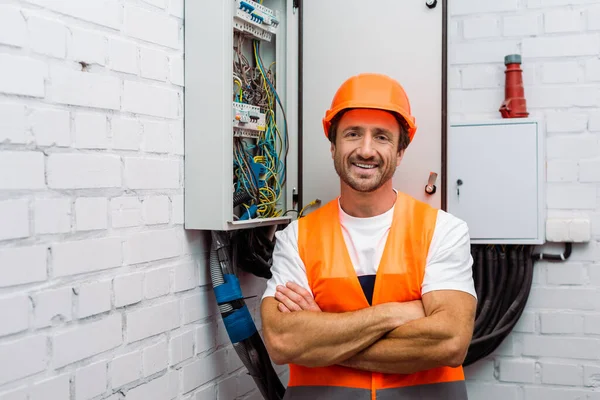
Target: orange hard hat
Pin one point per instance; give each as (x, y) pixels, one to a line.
(371, 91)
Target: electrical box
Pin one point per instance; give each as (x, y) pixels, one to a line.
(240, 113)
(496, 180)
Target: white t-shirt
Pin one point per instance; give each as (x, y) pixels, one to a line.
(449, 262)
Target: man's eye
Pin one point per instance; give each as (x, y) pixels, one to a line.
(382, 138)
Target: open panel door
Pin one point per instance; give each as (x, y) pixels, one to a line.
(402, 39)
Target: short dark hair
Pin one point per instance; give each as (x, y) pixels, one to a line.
(403, 142)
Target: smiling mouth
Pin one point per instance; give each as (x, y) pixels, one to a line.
(364, 166)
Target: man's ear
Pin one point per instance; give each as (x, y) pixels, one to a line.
(399, 157)
(332, 149)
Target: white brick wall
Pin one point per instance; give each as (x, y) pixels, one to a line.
(552, 353)
(101, 295)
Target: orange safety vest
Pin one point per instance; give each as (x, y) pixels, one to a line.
(336, 288)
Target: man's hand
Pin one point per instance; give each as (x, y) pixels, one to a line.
(293, 297)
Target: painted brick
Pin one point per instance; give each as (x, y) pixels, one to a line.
(93, 298)
(565, 274)
(482, 76)
(22, 265)
(526, 323)
(151, 26)
(151, 321)
(592, 324)
(155, 358)
(561, 46)
(176, 130)
(521, 25)
(151, 173)
(562, 96)
(181, 347)
(13, 30)
(165, 387)
(152, 245)
(563, 20)
(195, 374)
(22, 170)
(552, 322)
(156, 137)
(86, 340)
(51, 127)
(86, 89)
(478, 100)
(157, 282)
(561, 72)
(126, 368)
(580, 230)
(186, 276)
(176, 8)
(562, 374)
(15, 217)
(22, 75)
(126, 211)
(589, 170)
(48, 37)
(592, 70)
(553, 393)
(12, 121)
(562, 171)
(566, 122)
(552, 3)
(567, 347)
(123, 56)
(91, 381)
(157, 101)
(594, 124)
(572, 146)
(153, 64)
(88, 46)
(81, 256)
(125, 133)
(198, 306)
(206, 393)
(595, 222)
(91, 130)
(177, 203)
(157, 3)
(517, 370)
(56, 388)
(227, 388)
(102, 12)
(80, 171)
(91, 213)
(14, 314)
(52, 215)
(481, 27)
(483, 6)
(31, 353)
(591, 375)
(563, 298)
(156, 210)
(571, 196)
(52, 306)
(593, 18)
(176, 75)
(128, 289)
(482, 52)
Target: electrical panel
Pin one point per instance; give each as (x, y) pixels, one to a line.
(239, 113)
(496, 180)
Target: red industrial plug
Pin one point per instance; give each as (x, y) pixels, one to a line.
(514, 105)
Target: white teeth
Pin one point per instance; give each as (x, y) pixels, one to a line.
(367, 166)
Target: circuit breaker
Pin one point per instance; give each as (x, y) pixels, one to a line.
(239, 113)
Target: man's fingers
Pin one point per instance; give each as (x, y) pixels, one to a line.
(309, 303)
(286, 301)
(282, 308)
(293, 296)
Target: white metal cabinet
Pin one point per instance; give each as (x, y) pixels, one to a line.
(496, 180)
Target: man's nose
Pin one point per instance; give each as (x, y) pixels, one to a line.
(366, 148)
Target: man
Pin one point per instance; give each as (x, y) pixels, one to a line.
(372, 294)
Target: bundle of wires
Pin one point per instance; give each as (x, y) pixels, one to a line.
(260, 166)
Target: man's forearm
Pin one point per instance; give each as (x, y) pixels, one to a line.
(320, 339)
(420, 345)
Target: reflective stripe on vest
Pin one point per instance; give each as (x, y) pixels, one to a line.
(336, 288)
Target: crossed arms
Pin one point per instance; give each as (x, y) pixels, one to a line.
(399, 338)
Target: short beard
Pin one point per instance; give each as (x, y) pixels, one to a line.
(362, 186)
